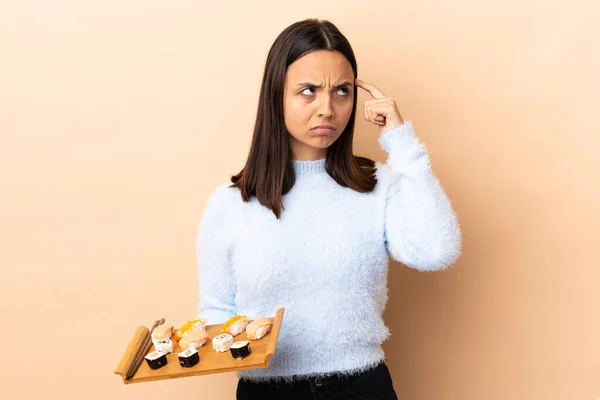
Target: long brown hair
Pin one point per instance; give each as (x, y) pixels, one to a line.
(269, 170)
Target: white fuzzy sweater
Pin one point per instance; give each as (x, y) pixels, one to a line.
(326, 260)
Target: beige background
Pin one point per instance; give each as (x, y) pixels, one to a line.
(118, 118)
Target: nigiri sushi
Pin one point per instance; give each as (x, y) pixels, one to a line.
(190, 326)
(194, 340)
(162, 332)
(258, 328)
(235, 325)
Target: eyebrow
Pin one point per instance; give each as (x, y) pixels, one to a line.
(309, 84)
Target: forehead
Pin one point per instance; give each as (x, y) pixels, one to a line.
(320, 65)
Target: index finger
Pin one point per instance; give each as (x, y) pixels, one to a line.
(376, 93)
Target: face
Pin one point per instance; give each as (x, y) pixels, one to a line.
(319, 90)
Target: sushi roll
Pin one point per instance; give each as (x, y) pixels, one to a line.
(235, 325)
(156, 359)
(240, 350)
(188, 358)
(194, 340)
(197, 324)
(164, 346)
(222, 343)
(258, 328)
(162, 332)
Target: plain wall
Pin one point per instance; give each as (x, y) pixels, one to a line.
(118, 118)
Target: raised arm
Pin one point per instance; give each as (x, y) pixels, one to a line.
(421, 227)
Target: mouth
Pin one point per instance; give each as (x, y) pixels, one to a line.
(324, 129)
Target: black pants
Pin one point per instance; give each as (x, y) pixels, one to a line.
(374, 384)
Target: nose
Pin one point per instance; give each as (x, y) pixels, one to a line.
(325, 108)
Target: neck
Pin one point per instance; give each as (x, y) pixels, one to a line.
(301, 151)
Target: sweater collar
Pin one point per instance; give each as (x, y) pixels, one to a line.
(309, 167)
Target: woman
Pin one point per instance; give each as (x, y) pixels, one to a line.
(307, 225)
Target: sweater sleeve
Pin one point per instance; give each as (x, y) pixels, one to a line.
(421, 228)
(213, 255)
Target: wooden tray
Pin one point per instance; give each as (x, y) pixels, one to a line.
(211, 362)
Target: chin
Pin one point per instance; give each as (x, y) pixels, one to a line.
(321, 142)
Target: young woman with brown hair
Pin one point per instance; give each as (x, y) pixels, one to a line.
(308, 226)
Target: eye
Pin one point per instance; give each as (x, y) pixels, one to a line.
(345, 91)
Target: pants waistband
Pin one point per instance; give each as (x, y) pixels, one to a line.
(323, 382)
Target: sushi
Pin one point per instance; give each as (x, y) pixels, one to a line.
(188, 358)
(164, 346)
(194, 340)
(235, 325)
(156, 359)
(162, 332)
(190, 326)
(240, 350)
(258, 328)
(222, 343)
